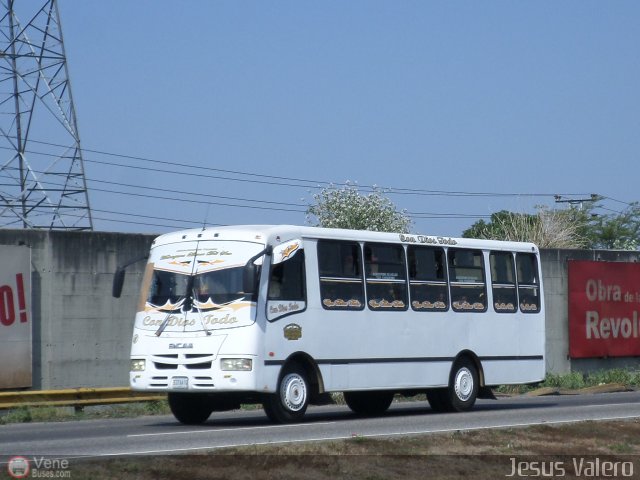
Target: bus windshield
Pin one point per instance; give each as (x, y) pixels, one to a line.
(197, 276)
(169, 290)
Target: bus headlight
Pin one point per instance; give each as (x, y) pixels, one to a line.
(236, 364)
(138, 365)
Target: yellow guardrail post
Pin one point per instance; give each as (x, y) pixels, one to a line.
(75, 397)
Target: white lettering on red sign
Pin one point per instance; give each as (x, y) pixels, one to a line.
(8, 303)
(621, 327)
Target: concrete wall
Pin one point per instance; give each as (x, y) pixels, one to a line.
(81, 335)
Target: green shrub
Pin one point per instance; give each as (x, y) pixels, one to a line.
(571, 380)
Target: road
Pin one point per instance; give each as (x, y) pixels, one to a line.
(163, 435)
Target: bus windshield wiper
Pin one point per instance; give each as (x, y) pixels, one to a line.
(195, 304)
(163, 325)
(186, 306)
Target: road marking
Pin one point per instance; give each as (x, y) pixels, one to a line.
(235, 429)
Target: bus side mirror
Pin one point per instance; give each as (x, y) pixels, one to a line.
(118, 282)
(118, 277)
(249, 279)
(251, 271)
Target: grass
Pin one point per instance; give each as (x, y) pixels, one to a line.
(61, 414)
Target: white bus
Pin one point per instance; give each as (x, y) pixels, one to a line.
(283, 315)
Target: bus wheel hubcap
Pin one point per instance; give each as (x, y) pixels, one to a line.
(293, 392)
(463, 384)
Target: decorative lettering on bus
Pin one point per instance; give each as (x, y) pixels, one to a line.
(529, 307)
(284, 307)
(428, 305)
(175, 321)
(427, 240)
(386, 304)
(339, 302)
(465, 305)
(506, 307)
(207, 253)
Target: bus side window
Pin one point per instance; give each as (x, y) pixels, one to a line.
(427, 279)
(386, 277)
(468, 289)
(503, 282)
(287, 279)
(528, 283)
(340, 267)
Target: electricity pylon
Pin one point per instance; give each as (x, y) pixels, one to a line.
(42, 181)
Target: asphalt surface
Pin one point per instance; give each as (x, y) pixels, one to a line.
(163, 435)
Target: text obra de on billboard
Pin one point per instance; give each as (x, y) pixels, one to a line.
(427, 240)
(598, 327)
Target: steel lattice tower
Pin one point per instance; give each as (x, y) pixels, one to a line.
(42, 181)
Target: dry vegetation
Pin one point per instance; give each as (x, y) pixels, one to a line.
(485, 454)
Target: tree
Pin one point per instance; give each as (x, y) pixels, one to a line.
(346, 207)
(546, 228)
(616, 231)
(570, 228)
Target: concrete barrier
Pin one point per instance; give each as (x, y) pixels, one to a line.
(81, 334)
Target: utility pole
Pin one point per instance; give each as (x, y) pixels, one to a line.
(42, 180)
(594, 197)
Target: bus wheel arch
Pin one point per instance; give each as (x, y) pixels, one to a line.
(311, 369)
(476, 361)
(299, 383)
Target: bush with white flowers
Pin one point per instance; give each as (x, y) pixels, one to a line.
(347, 207)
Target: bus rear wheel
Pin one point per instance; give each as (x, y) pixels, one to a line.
(291, 400)
(463, 385)
(368, 403)
(190, 408)
(462, 391)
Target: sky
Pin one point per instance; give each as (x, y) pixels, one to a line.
(238, 112)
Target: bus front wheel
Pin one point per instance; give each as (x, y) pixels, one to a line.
(290, 401)
(190, 408)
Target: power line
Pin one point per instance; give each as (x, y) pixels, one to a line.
(147, 224)
(418, 215)
(620, 201)
(302, 183)
(151, 217)
(209, 195)
(201, 202)
(235, 172)
(261, 179)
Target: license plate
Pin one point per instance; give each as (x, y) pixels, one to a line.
(179, 382)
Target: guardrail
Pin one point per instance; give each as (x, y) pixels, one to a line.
(74, 397)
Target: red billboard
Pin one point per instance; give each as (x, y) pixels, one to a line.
(604, 309)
